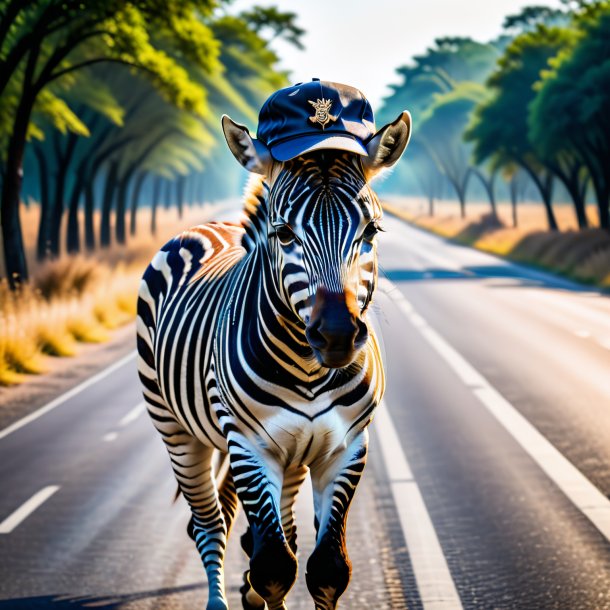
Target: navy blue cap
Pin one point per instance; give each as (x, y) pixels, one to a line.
(313, 116)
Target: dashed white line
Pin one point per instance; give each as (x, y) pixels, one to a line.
(27, 508)
(61, 399)
(579, 490)
(434, 582)
(132, 415)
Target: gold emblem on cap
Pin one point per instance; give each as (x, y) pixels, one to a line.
(322, 115)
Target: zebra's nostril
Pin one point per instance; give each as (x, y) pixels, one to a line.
(362, 335)
(314, 336)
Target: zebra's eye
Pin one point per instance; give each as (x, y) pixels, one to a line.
(371, 230)
(285, 234)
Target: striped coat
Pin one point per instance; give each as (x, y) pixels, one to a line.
(253, 341)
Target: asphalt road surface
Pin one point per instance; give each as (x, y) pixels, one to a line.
(487, 484)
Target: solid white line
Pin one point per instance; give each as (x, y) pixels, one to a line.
(132, 415)
(435, 585)
(27, 508)
(579, 490)
(69, 394)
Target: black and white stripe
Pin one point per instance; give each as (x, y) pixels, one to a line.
(226, 363)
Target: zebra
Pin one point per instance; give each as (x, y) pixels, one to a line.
(253, 342)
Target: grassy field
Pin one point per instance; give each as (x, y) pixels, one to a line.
(581, 255)
(75, 299)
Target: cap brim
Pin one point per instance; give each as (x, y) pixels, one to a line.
(284, 151)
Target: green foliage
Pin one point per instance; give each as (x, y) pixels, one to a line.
(499, 128)
(176, 66)
(530, 17)
(282, 25)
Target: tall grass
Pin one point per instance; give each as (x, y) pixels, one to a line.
(75, 299)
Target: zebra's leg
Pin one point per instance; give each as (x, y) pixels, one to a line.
(293, 479)
(334, 484)
(192, 465)
(226, 494)
(273, 566)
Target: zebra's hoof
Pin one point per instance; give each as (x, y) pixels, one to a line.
(250, 599)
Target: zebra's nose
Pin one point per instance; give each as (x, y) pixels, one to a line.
(334, 332)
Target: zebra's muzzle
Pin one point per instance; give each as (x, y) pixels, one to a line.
(335, 333)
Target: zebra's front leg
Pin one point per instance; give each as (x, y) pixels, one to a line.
(192, 465)
(258, 481)
(293, 479)
(334, 483)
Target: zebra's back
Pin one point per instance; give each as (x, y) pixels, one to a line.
(182, 297)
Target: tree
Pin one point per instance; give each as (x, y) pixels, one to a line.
(569, 117)
(43, 42)
(441, 133)
(428, 89)
(499, 129)
(530, 17)
(281, 25)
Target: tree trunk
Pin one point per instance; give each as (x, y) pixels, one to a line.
(89, 212)
(109, 192)
(513, 199)
(545, 187)
(180, 195)
(12, 237)
(45, 212)
(121, 206)
(135, 197)
(488, 185)
(58, 205)
(156, 194)
(602, 196)
(73, 235)
(168, 194)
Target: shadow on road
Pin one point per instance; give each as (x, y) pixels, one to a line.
(106, 602)
(519, 276)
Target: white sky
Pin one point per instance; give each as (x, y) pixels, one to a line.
(362, 42)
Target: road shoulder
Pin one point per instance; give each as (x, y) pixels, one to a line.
(64, 374)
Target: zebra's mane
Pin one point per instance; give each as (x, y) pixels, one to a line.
(254, 215)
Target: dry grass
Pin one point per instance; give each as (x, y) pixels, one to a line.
(582, 255)
(74, 299)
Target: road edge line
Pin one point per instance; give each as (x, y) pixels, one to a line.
(577, 488)
(20, 423)
(435, 584)
(20, 514)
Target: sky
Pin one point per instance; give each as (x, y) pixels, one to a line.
(362, 42)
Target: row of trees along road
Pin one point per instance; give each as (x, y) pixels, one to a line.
(531, 107)
(105, 104)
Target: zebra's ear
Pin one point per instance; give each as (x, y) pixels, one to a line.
(249, 151)
(387, 145)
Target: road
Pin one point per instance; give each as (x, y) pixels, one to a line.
(487, 485)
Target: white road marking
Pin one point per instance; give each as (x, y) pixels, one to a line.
(64, 397)
(579, 490)
(132, 415)
(435, 585)
(27, 508)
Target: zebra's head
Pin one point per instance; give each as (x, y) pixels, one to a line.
(322, 222)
